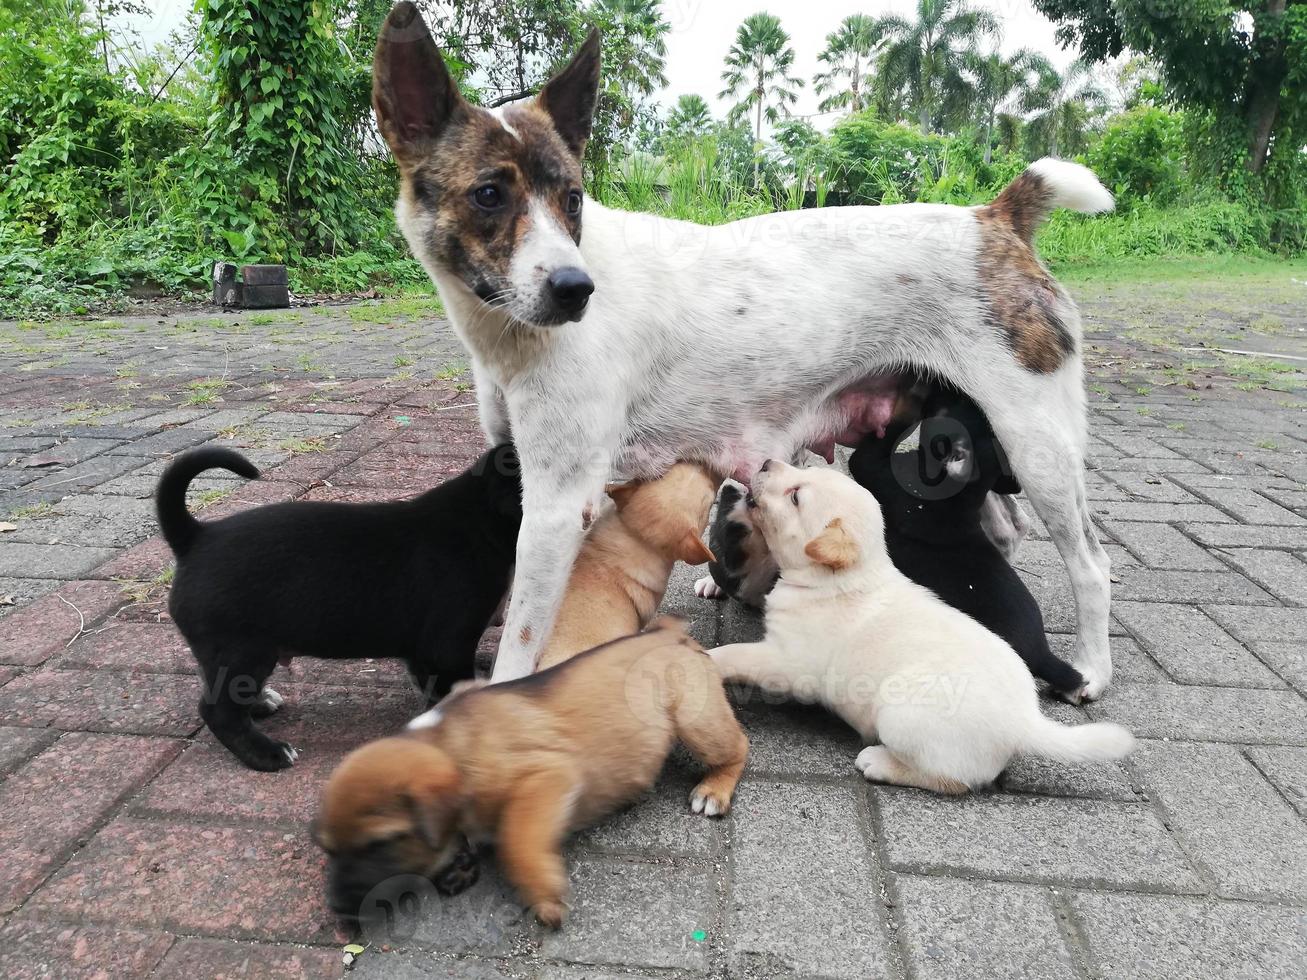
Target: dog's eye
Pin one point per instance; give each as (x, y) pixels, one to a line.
(574, 202)
(488, 197)
(794, 496)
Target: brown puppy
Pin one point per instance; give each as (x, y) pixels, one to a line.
(525, 763)
(620, 576)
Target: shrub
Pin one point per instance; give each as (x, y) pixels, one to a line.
(1141, 154)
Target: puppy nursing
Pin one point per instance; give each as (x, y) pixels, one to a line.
(949, 702)
(621, 573)
(525, 763)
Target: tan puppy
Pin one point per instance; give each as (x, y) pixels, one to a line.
(526, 762)
(621, 574)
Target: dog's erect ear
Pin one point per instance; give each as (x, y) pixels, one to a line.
(622, 493)
(413, 94)
(569, 97)
(693, 551)
(834, 547)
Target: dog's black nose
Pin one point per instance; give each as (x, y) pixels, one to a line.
(570, 288)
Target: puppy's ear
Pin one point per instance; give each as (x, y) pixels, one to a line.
(413, 94)
(569, 97)
(434, 798)
(622, 493)
(692, 550)
(834, 547)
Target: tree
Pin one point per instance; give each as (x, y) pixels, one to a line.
(925, 58)
(998, 82)
(757, 72)
(643, 32)
(690, 118)
(1238, 60)
(848, 58)
(1064, 104)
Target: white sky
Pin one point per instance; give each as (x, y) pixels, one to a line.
(703, 30)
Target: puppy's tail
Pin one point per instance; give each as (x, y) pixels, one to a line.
(175, 521)
(1098, 741)
(1046, 184)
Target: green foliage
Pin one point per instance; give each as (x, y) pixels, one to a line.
(757, 72)
(1140, 154)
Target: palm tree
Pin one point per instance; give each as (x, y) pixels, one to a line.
(757, 72)
(848, 60)
(925, 58)
(690, 117)
(998, 82)
(640, 26)
(1064, 104)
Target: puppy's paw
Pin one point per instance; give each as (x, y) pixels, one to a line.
(872, 763)
(266, 703)
(707, 588)
(709, 801)
(269, 756)
(1095, 683)
(550, 913)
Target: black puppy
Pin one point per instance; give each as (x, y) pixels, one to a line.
(418, 579)
(931, 501)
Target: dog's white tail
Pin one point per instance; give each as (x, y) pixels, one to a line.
(1096, 742)
(1045, 185)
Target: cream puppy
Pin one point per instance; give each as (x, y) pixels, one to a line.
(950, 703)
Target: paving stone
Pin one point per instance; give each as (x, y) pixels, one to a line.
(88, 775)
(1137, 445)
(384, 965)
(1286, 767)
(1148, 937)
(1256, 625)
(965, 929)
(1229, 817)
(1161, 546)
(1094, 780)
(103, 701)
(315, 714)
(58, 561)
(1151, 467)
(17, 745)
(220, 959)
(150, 647)
(1139, 510)
(675, 901)
(176, 876)
(660, 821)
(141, 563)
(1278, 572)
(72, 451)
(165, 443)
(1243, 535)
(1289, 660)
(1154, 585)
(805, 895)
(35, 949)
(208, 782)
(1059, 841)
(1250, 507)
(36, 632)
(98, 519)
(1129, 661)
(1206, 714)
(1148, 486)
(1192, 648)
(87, 474)
(794, 739)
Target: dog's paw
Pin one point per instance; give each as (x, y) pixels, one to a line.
(550, 913)
(707, 588)
(708, 801)
(1095, 684)
(266, 703)
(268, 756)
(872, 763)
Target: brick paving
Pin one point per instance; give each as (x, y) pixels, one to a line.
(135, 846)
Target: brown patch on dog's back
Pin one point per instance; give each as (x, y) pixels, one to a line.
(1023, 300)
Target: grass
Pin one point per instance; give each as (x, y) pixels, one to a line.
(33, 512)
(312, 444)
(1242, 271)
(407, 309)
(205, 391)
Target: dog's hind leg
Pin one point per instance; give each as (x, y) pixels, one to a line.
(879, 765)
(233, 689)
(706, 725)
(1039, 419)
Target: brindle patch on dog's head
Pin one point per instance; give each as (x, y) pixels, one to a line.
(476, 184)
(1023, 300)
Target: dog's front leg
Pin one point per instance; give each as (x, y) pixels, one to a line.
(761, 664)
(555, 518)
(491, 406)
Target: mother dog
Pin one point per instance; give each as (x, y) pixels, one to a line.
(645, 340)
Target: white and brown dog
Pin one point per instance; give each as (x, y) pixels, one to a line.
(949, 702)
(647, 340)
